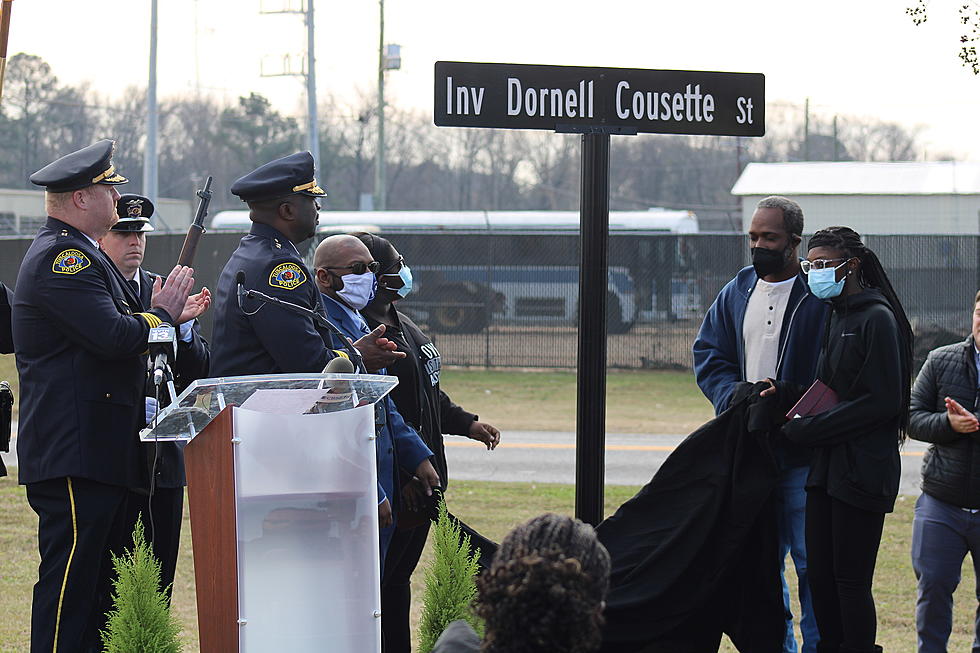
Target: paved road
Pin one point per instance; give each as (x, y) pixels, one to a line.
(549, 457)
(631, 459)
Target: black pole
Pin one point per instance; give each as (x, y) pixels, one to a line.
(590, 442)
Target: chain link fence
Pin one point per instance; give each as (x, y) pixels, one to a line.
(508, 299)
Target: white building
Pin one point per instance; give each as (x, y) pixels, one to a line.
(939, 197)
(22, 212)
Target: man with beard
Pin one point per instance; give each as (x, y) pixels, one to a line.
(766, 324)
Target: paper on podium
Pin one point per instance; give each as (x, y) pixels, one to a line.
(281, 401)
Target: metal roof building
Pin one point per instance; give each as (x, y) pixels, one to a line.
(937, 197)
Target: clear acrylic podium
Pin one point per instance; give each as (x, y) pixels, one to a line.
(282, 488)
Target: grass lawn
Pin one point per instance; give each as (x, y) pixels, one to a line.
(492, 508)
(640, 401)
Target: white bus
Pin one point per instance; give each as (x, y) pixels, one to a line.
(474, 268)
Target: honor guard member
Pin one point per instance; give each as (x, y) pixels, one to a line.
(80, 333)
(251, 337)
(126, 244)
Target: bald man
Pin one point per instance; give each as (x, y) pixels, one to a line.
(345, 275)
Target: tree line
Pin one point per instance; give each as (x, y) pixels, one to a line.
(428, 167)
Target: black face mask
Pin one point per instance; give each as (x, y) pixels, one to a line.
(768, 261)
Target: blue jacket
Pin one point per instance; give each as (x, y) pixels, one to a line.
(397, 442)
(719, 350)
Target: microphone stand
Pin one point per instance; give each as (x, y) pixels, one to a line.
(355, 356)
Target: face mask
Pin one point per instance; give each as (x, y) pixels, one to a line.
(406, 275)
(822, 283)
(768, 261)
(358, 289)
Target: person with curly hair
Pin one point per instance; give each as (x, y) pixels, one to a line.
(544, 592)
(866, 359)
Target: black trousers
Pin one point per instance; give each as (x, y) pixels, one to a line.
(403, 556)
(167, 510)
(80, 524)
(842, 547)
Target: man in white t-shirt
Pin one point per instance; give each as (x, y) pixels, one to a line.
(765, 324)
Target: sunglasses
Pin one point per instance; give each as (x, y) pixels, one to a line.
(359, 267)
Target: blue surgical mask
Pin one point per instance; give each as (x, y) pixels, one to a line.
(406, 275)
(822, 282)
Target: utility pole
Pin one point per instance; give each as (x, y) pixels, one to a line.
(150, 152)
(380, 196)
(806, 130)
(313, 135)
(307, 71)
(389, 58)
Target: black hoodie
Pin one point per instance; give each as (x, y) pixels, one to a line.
(855, 443)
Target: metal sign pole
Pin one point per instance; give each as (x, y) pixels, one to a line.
(590, 423)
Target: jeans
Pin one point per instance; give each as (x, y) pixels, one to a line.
(792, 511)
(942, 534)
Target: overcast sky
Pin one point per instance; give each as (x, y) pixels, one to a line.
(855, 57)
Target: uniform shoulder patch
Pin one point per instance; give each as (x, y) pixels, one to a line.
(70, 261)
(288, 276)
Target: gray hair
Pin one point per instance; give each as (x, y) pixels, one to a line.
(792, 213)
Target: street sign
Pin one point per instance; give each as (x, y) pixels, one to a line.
(611, 100)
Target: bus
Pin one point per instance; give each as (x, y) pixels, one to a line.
(520, 268)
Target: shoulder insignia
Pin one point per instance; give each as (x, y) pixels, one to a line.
(288, 276)
(64, 232)
(70, 261)
(278, 244)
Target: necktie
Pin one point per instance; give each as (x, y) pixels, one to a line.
(135, 286)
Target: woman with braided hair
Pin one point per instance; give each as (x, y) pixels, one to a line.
(544, 592)
(866, 359)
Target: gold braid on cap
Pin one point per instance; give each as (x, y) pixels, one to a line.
(310, 186)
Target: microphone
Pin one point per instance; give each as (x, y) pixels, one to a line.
(162, 342)
(240, 282)
(339, 365)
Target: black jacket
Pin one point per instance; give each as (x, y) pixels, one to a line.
(419, 399)
(951, 467)
(695, 552)
(855, 443)
(80, 333)
(6, 334)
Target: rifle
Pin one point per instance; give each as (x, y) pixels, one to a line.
(196, 229)
(4, 34)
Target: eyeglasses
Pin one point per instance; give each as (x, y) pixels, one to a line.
(819, 264)
(359, 268)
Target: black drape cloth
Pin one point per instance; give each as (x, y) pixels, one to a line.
(695, 552)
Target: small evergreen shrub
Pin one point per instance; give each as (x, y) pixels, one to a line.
(450, 582)
(140, 621)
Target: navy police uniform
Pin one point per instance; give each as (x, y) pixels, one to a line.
(259, 338)
(164, 460)
(80, 333)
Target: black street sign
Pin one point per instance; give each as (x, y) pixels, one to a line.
(611, 100)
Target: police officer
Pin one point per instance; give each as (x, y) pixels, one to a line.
(255, 338)
(80, 333)
(126, 244)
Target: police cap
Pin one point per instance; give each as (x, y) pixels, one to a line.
(286, 176)
(134, 212)
(88, 166)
